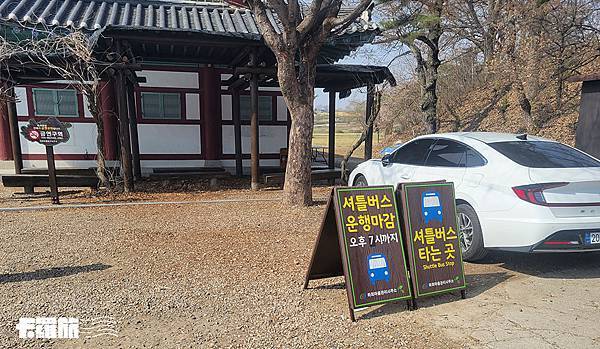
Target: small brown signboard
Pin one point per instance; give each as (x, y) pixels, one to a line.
(360, 236)
(49, 133)
(432, 238)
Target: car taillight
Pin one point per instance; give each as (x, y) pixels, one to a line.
(534, 193)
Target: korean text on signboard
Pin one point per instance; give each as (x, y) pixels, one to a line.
(433, 238)
(48, 132)
(373, 244)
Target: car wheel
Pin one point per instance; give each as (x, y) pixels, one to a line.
(471, 238)
(360, 181)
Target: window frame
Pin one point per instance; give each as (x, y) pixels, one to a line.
(273, 115)
(161, 106)
(393, 155)
(55, 101)
(467, 147)
(585, 155)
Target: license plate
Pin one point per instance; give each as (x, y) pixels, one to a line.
(592, 238)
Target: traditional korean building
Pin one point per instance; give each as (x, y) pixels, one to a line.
(188, 104)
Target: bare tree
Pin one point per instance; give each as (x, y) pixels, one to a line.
(303, 33)
(71, 56)
(418, 25)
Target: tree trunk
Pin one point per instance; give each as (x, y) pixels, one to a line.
(297, 187)
(100, 160)
(430, 98)
(95, 107)
(298, 91)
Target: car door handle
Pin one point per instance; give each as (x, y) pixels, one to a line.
(404, 176)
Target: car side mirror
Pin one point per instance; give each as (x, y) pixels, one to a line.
(385, 160)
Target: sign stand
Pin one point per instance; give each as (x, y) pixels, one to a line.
(49, 133)
(360, 238)
(52, 174)
(432, 237)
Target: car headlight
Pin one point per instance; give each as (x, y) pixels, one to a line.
(425, 213)
(385, 272)
(372, 275)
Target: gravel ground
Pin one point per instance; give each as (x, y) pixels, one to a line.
(231, 274)
(185, 276)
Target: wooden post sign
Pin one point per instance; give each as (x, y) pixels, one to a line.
(432, 238)
(360, 238)
(49, 133)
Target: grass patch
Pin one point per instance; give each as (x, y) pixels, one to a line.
(343, 142)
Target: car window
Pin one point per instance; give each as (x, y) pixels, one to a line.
(474, 159)
(447, 153)
(541, 154)
(413, 153)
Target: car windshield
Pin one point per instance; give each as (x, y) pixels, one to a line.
(541, 154)
(377, 263)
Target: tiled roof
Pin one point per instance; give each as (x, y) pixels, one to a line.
(142, 14)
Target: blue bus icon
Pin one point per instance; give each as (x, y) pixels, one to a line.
(432, 208)
(378, 268)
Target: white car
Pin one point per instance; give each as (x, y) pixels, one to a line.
(513, 192)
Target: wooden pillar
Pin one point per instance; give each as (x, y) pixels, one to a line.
(211, 126)
(5, 147)
(14, 131)
(109, 120)
(369, 111)
(237, 129)
(133, 129)
(331, 151)
(254, 127)
(124, 139)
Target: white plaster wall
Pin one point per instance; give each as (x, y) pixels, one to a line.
(192, 106)
(148, 165)
(226, 107)
(22, 105)
(174, 139)
(160, 78)
(67, 163)
(281, 109)
(270, 139)
(82, 141)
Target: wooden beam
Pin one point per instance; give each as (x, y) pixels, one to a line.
(254, 127)
(331, 145)
(237, 129)
(191, 40)
(14, 131)
(240, 58)
(133, 129)
(368, 113)
(124, 137)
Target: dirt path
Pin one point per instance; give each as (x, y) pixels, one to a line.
(188, 276)
(525, 301)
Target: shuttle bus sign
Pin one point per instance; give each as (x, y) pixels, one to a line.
(432, 238)
(364, 223)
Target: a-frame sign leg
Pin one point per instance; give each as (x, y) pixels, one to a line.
(352, 314)
(326, 259)
(463, 294)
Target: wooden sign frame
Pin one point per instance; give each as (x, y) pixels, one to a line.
(444, 221)
(329, 260)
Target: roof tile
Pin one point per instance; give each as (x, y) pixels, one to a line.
(140, 14)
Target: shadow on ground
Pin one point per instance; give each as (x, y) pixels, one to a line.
(476, 285)
(48, 273)
(577, 265)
